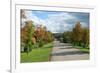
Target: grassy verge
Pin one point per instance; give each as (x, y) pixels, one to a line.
(82, 49)
(40, 54)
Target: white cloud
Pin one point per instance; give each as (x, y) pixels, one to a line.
(84, 24)
(57, 23)
(30, 16)
(53, 22)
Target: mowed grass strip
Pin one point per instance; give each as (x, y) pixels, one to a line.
(41, 54)
(86, 50)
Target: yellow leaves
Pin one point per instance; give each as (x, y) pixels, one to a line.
(33, 40)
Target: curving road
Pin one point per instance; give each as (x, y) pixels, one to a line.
(65, 52)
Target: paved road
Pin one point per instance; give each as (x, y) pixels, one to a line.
(65, 52)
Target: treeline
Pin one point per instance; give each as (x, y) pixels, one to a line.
(34, 36)
(79, 36)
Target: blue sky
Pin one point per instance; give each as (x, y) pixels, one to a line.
(58, 21)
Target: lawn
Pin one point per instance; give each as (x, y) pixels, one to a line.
(41, 54)
(82, 49)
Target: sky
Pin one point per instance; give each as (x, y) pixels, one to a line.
(57, 21)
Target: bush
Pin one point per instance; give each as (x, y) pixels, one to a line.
(41, 43)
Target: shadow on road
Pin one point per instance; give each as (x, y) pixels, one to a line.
(57, 45)
(66, 47)
(68, 53)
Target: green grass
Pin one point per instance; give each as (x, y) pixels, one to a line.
(82, 49)
(41, 54)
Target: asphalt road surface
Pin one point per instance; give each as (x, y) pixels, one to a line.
(65, 52)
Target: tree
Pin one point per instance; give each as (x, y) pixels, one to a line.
(39, 34)
(42, 35)
(77, 33)
(49, 36)
(85, 37)
(22, 11)
(67, 37)
(78, 36)
(27, 33)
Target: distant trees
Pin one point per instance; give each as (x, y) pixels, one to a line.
(78, 36)
(67, 37)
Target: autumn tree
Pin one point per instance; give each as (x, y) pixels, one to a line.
(49, 37)
(27, 33)
(85, 37)
(42, 35)
(77, 33)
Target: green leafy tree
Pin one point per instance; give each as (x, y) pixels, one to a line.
(67, 37)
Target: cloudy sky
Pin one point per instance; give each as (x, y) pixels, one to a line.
(57, 21)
